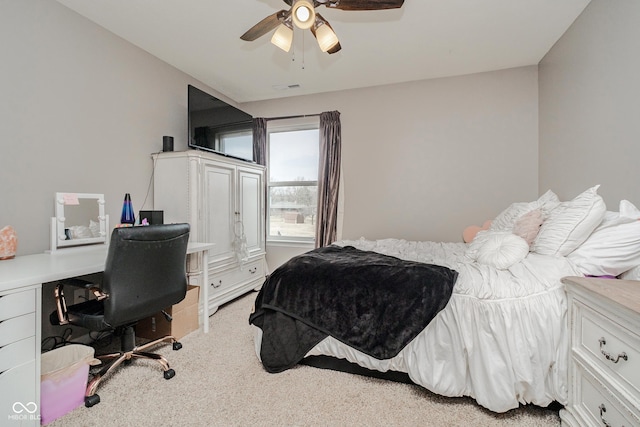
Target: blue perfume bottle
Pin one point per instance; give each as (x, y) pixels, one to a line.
(127, 217)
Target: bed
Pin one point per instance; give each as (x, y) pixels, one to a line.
(495, 328)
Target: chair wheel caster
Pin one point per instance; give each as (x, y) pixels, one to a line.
(169, 373)
(177, 345)
(92, 400)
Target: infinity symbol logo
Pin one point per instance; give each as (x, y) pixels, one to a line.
(20, 407)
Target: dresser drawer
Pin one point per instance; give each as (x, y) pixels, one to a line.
(601, 406)
(609, 346)
(17, 328)
(12, 305)
(17, 353)
(224, 280)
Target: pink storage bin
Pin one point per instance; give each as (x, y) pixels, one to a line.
(63, 380)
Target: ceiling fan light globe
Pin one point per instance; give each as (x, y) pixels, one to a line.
(326, 37)
(303, 14)
(283, 37)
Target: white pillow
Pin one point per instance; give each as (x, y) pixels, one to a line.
(570, 223)
(613, 247)
(508, 217)
(498, 249)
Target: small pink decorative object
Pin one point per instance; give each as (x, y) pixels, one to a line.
(469, 233)
(8, 243)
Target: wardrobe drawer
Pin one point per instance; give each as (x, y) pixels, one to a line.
(16, 353)
(600, 404)
(12, 305)
(605, 344)
(250, 271)
(17, 328)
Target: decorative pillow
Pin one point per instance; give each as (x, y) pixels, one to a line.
(614, 247)
(470, 232)
(508, 217)
(499, 249)
(528, 225)
(570, 223)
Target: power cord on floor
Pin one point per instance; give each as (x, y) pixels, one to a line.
(56, 341)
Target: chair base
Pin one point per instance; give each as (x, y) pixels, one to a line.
(113, 360)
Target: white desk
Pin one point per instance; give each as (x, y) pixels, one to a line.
(21, 280)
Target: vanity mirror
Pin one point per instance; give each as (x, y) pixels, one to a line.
(79, 220)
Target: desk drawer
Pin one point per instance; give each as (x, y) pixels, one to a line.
(17, 328)
(17, 353)
(12, 305)
(609, 346)
(19, 385)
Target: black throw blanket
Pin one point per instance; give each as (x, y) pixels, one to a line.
(372, 302)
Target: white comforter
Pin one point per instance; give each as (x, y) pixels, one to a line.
(502, 339)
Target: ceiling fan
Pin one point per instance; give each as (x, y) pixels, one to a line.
(302, 14)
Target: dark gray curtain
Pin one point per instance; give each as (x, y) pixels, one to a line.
(328, 178)
(260, 157)
(260, 140)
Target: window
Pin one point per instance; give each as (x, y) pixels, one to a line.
(293, 151)
(236, 142)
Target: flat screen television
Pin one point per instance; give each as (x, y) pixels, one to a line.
(218, 127)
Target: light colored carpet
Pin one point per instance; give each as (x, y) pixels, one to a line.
(220, 382)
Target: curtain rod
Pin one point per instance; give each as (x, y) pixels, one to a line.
(292, 117)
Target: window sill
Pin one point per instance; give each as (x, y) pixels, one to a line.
(291, 243)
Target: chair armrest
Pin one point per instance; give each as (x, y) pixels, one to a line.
(78, 282)
(90, 282)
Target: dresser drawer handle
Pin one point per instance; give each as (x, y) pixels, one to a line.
(217, 285)
(603, 409)
(253, 270)
(608, 355)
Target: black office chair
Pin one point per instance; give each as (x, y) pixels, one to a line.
(145, 272)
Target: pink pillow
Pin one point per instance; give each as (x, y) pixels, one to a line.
(528, 225)
(470, 232)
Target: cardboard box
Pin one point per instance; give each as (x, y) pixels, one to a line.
(185, 319)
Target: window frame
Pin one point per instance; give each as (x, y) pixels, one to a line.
(224, 134)
(280, 126)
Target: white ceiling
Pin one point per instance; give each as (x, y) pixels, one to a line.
(424, 39)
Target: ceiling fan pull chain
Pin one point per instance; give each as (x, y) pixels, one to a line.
(303, 49)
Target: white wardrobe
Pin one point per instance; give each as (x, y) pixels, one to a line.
(223, 200)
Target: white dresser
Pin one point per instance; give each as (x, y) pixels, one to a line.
(604, 365)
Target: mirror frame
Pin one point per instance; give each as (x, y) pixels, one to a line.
(58, 236)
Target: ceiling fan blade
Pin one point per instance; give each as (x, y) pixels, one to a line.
(362, 4)
(263, 27)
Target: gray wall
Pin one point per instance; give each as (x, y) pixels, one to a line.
(423, 160)
(82, 110)
(589, 105)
